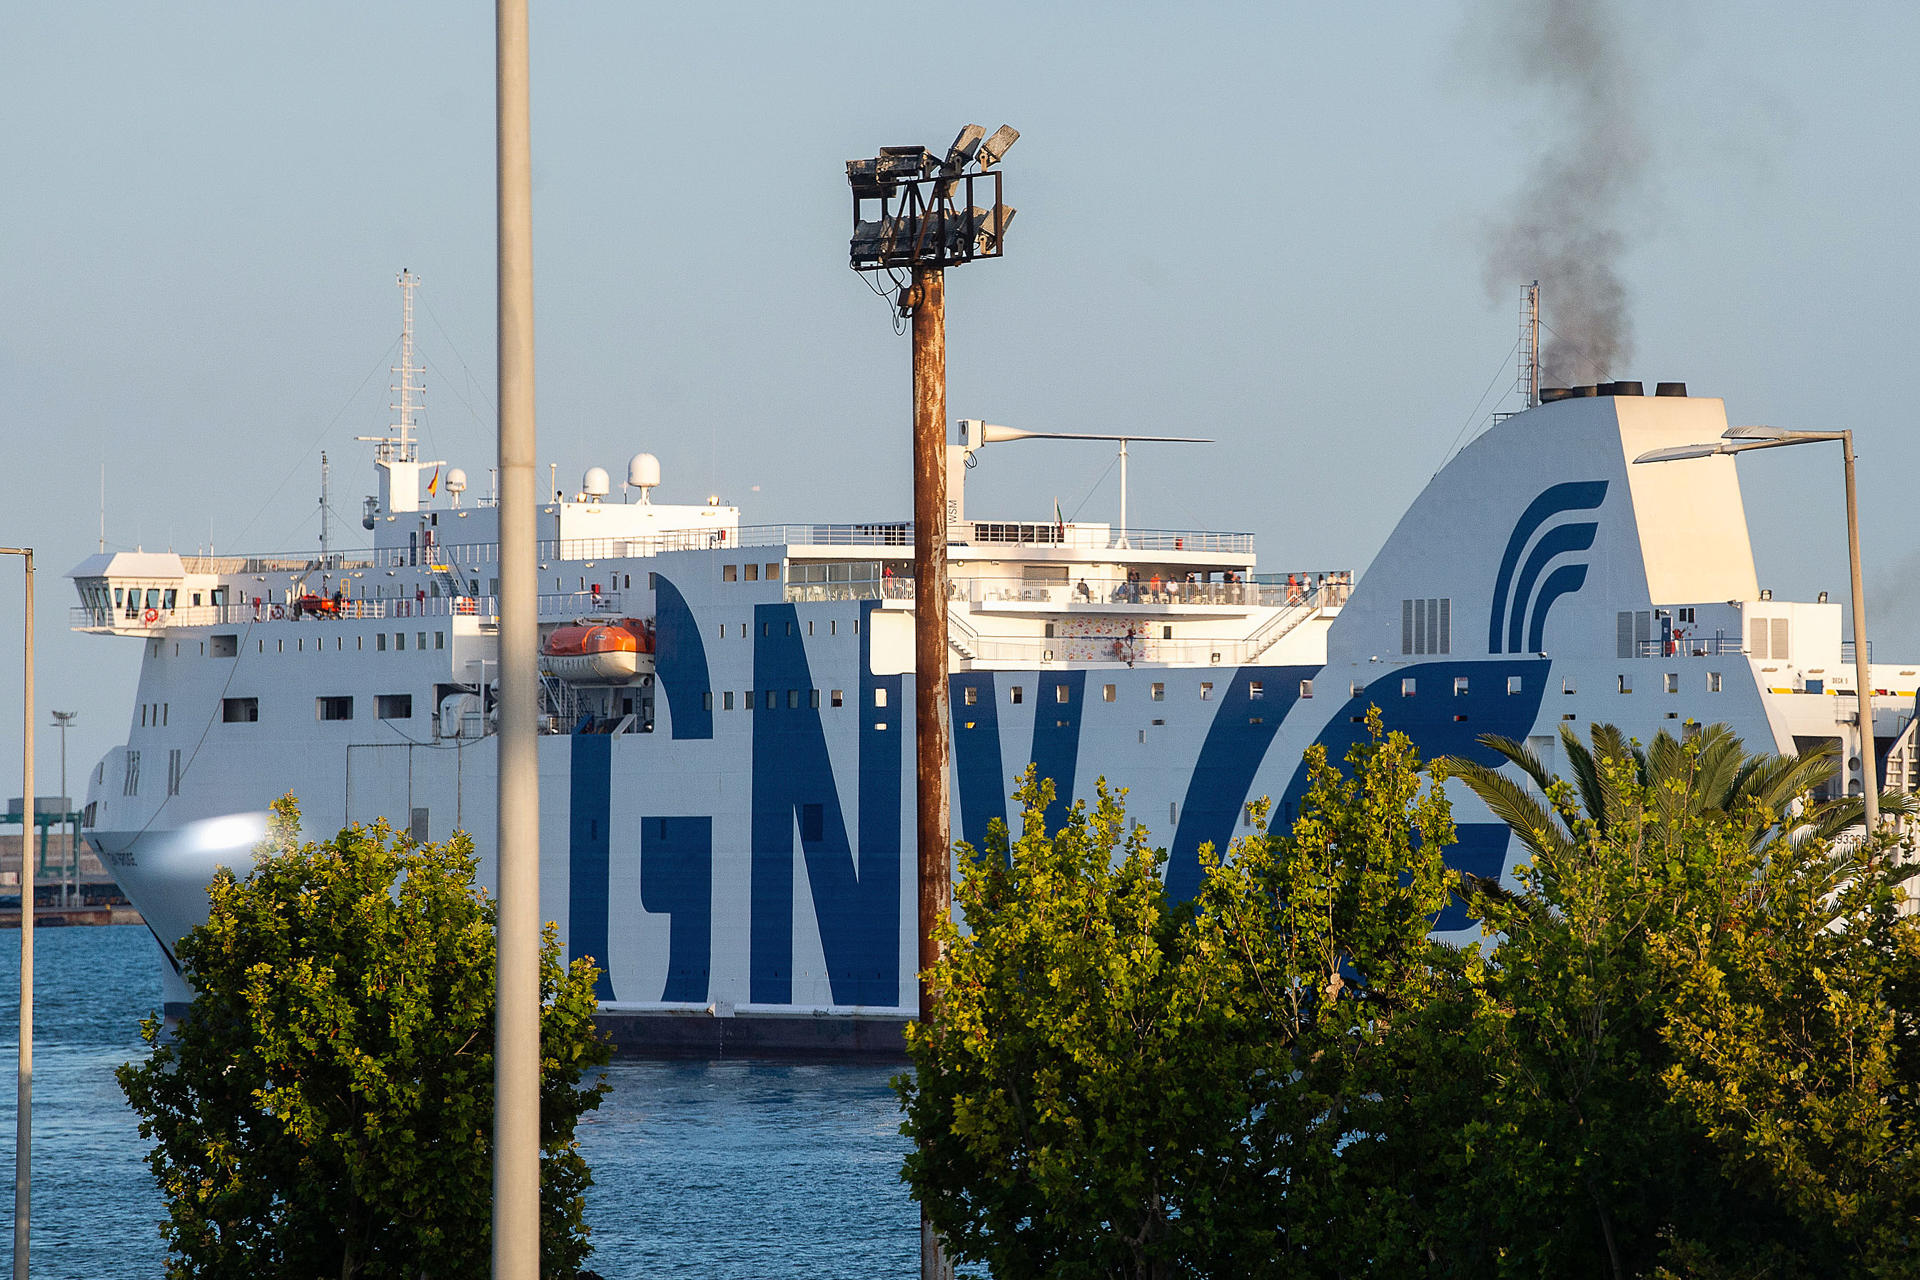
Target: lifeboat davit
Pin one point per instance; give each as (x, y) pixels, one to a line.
(598, 652)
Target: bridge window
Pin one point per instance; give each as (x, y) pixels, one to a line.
(729, 573)
(394, 706)
(753, 573)
(336, 708)
(239, 710)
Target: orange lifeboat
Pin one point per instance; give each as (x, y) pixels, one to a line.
(597, 652)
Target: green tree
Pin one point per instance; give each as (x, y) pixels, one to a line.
(1116, 1085)
(1690, 1052)
(325, 1106)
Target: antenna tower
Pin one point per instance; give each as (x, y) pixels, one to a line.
(326, 517)
(402, 440)
(1529, 383)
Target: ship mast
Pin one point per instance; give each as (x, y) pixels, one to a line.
(1529, 383)
(406, 369)
(326, 519)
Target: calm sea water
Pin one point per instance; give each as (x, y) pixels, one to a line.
(730, 1170)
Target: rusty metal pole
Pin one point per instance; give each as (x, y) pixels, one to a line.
(928, 299)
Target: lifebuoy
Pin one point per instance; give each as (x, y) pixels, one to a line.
(279, 611)
(150, 617)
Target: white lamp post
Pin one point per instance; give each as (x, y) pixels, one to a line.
(23, 1116)
(1743, 439)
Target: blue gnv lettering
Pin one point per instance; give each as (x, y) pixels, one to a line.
(857, 908)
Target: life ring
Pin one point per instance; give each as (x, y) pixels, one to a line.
(279, 611)
(150, 617)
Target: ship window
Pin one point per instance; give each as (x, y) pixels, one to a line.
(1713, 682)
(336, 708)
(279, 646)
(1513, 684)
(145, 708)
(153, 597)
(1459, 686)
(1407, 687)
(1107, 693)
(835, 698)
(879, 697)
(132, 787)
(196, 599)
(771, 695)
(1568, 685)
(118, 596)
(1166, 633)
(723, 631)
(773, 572)
(1206, 690)
(729, 573)
(809, 626)
(1686, 615)
(1673, 682)
(1355, 689)
(394, 706)
(793, 699)
(1256, 689)
(380, 641)
(1159, 692)
(1061, 693)
(970, 695)
(746, 700)
(168, 597)
(239, 710)
(439, 639)
(766, 628)
(1626, 683)
(706, 700)
(165, 707)
(813, 699)
(400, 640)
(1015, 694)
(420, 640)
(833, 626)
(753, 573)
(1306, 688)
(726, 700)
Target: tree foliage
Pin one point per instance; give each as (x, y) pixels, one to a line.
(1687, 1043)
(325, 1106)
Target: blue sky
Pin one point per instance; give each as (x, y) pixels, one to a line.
(1268, 224)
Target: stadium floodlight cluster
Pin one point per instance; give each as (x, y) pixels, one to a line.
(911, 209)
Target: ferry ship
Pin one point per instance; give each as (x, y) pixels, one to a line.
(726, 755)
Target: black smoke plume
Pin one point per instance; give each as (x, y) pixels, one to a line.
(1564, 227)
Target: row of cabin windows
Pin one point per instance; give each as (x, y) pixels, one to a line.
(228, 646)
(770, 698)
(1157, 692)
(386, 706)
(766, 628)
(749, 572)
(1409, 687)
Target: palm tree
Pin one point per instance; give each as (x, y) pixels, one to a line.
(1710, 773)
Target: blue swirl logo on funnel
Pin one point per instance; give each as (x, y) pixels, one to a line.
(1522, 597)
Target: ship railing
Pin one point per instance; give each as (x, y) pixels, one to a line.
(1846, 652)
(1082, 592)
(1685, 646)
(277, 608)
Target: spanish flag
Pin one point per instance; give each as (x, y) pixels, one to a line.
(433, 485)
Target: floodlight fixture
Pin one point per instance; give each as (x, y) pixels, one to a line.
(964, 147)
(997, 146)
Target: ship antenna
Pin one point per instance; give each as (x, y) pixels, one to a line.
(1529, 383)
(406, 369)
(326, 525)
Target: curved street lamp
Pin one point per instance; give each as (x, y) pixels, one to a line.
(1744, 439)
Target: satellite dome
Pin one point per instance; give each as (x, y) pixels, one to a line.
(643, 471)
(456, 481)
(595, 483)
